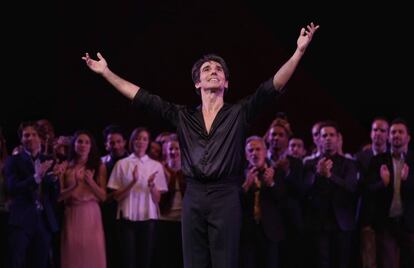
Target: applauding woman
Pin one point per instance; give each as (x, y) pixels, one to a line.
(138, 182)
(82, 188)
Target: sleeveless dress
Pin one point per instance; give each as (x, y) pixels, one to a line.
(82, 241)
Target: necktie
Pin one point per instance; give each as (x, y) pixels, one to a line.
(396, 203)
(257, 210)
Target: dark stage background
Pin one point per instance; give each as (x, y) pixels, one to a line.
(357, 67)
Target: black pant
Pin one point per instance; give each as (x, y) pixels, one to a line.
(333, 248)
(211, 225)
(256, 249)
(137, 243)
(30, 246)
(111, 229)
(168, 251)
(3, 237)
(395, 245)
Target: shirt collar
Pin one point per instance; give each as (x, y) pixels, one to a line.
(281, 156)
(375, 152)
(143, 159)
(398, 155)
(34, 158)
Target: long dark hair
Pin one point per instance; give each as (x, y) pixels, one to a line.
(94, 160)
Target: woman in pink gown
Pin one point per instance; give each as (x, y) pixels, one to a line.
(82, 188)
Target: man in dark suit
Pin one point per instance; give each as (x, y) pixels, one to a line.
(391, 179)
(290, 171)
(262, 227)
(331, 200)
(115, 140)
(33, 188)
(379, 137)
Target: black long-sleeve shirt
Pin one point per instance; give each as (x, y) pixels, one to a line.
(217, 156)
